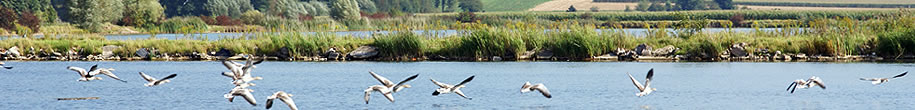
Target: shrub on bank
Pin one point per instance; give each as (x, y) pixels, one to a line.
(400, 44)
(183, 25)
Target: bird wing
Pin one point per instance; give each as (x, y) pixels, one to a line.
(389, 95)
(269, 103)
(792, 86)
(289, 102)
(147, 77)
(384, 81)
(900, 75)
(543, 90)
(462, 83)
(107, 72)
(249, 97)
(648, 78)
(400, 85)
(819, 82)
(458, 92)
(81, 71)
(229, 74)
(166, 78)
(636, 83)
(367, 96)
(869, 79)
(93, 68)
(442, 85)
(526, 87)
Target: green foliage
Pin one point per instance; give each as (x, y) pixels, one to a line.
(826, 4)
(490, 41)
(367, 6)
(572, 9)
(508, 5)
(183, 25)
(726, 4)
(253, 17)
(471, 5)
(232, 8)
(318, 8)
(185, 7)
(643, 5)
(897, 43)
(92, 15)
(346, 11)
(400, 44)
(143, 13)
(287, 8)
(446, 5)
(689, 4)
(42, 9)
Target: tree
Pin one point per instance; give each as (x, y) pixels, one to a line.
(8, 18)
(689, 4)
(93, 14)
(725, 4)
(40, 8)
(471, 5)
(367, 6)
(287, 8)
(655, 6)
(232, 8)
(346, 11)
(446, 5)
(29, 20)
(627, 9)
(572, 9)
(185, 7)
(668, 6)
(643, 5)
(143, 13)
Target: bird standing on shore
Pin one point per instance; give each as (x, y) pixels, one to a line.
(878, 81)
(155, 82)
(527, 87)
(93, 71)
(643, 90)
(812, 81)
(448, 88)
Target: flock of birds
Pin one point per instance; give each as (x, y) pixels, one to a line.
(242, 79)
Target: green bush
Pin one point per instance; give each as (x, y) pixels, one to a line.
(406, 44)
(183, 25)
(896, 43)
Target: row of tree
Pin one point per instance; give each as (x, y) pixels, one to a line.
(92, 14)
(667, 5)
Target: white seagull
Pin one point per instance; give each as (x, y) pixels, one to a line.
(155, 82)
(878, 81)
(241, 73)
(4, 66)
(283, 96)
(448, 88)
(812, 81)
(387, 88)
(527, 87)
(91, 74)
(643, 90)
(241, 91)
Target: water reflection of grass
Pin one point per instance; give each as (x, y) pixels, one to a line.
(572, 39)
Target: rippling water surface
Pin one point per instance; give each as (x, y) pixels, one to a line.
(575, 85)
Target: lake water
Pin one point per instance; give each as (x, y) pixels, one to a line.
(575, 85)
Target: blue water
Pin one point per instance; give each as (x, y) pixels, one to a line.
(575, 85)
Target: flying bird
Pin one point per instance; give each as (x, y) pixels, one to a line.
(283, 96)
(527, 87)
(812, 81)
(155, 82)
(643, 90)
(388, 87)
(448, 88)
(93, 71)
(241, 91)
(878, 81)
(4, 66)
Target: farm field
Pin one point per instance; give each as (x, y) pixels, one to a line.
(837, 1)
(510, 5)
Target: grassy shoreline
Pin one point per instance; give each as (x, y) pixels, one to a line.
(890, 35)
